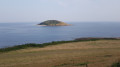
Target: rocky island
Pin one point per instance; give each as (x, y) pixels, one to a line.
(53, 23)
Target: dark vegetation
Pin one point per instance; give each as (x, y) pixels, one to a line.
(53, 23)
(117, 64)
(82, 64)
(50, 22)
(52, 43)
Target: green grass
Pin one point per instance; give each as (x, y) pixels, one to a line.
(52, 43)
(61, 65)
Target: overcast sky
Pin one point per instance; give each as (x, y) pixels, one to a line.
(63, 10)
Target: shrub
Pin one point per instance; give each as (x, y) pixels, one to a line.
(117, 64)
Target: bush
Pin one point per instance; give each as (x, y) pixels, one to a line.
(117, 64)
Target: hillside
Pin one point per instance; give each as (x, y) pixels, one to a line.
(100, 53)
(53, 23)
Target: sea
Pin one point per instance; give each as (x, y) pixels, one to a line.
(12, 34)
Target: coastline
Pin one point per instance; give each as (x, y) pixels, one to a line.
(24, 46)
(55, 25)
(93, 52)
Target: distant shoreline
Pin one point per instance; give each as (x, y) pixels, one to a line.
(54, 25)
(54, 43)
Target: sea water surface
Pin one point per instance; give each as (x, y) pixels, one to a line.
(20, 33)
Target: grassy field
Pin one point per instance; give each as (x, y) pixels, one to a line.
(101, 53)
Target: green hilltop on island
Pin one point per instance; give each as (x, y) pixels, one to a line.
(53, 23)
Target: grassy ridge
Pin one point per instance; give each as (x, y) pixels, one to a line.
(52, 43)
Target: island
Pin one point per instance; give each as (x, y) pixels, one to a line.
(53, 23)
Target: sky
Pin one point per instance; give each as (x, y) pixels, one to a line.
(63, 10)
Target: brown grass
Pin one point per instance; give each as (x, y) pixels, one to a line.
(95, 53)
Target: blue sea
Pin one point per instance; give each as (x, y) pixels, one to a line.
(21, 33)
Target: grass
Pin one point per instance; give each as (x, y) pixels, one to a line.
(65, 64)
(51, 43)
(99, 53)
